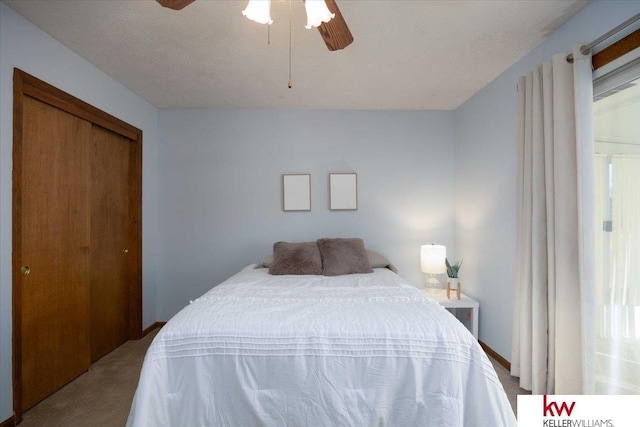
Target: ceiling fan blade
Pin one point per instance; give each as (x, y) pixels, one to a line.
(175, 4)
(335, 33)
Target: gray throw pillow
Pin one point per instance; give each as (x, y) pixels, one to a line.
(296, 258)
(343, 256)
(376, 259)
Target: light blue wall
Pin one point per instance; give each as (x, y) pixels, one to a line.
(219, 170)
(486, 173)
(221, 188)
(24, 46)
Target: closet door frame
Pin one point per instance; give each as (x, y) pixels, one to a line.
(25, 84)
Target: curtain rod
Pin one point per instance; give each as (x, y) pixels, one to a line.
(585, 49)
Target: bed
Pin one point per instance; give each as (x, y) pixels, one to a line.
(349, 350)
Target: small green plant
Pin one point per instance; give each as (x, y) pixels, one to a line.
(452, 270)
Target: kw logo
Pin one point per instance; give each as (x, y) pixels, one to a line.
(548, 410)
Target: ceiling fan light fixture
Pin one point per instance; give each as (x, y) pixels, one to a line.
(317, 13)
(259, 11)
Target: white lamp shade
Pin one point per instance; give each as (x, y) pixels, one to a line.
(259, 11)
(432, 259)
(317, 13)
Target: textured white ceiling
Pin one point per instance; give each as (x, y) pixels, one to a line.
(410, 55)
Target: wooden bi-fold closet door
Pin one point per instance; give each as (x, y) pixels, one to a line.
(76, 237)
(109, 241)
(55, 236)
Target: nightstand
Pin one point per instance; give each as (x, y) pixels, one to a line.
(454, 303)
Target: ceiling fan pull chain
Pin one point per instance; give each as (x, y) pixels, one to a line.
(268, 34)
(290, 20)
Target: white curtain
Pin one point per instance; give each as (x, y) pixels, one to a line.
(618, 274)
(625, 214)
(553, 345)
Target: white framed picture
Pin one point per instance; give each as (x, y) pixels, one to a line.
(296, 192)
(343, 191)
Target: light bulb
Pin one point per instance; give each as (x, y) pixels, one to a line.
(259, 11)
(317, 13)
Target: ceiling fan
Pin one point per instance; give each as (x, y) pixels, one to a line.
(335, 33)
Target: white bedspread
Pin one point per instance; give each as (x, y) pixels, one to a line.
(356, 350)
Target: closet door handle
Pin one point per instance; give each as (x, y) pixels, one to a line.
(125, 250)
(25, 270)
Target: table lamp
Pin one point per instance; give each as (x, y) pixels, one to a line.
(432, 262)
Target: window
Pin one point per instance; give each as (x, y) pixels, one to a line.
(616, 113)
